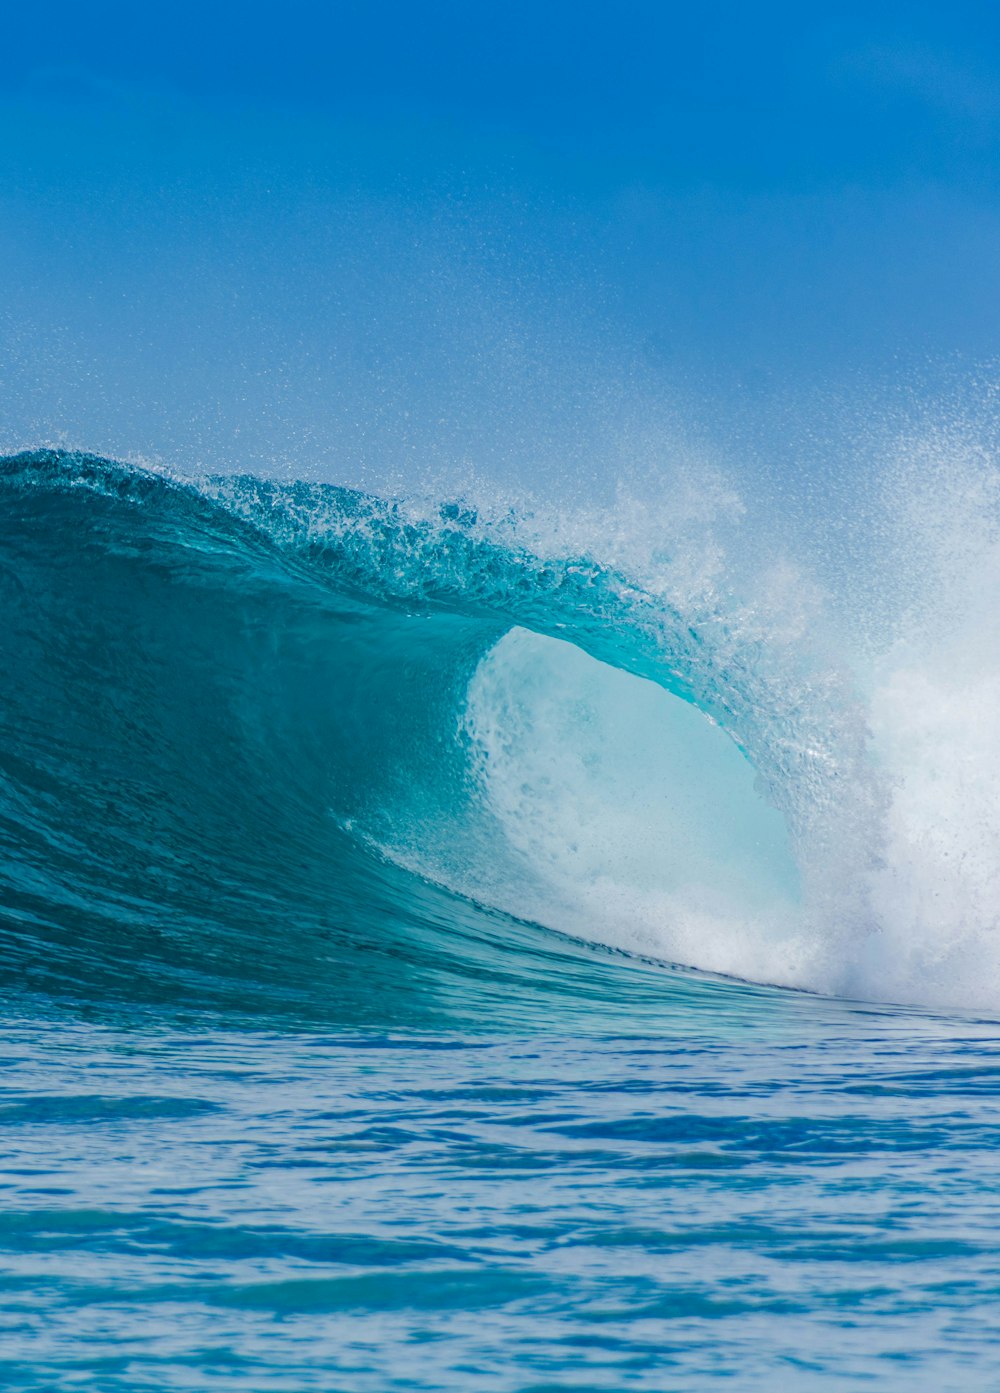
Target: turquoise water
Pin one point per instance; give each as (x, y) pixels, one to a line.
(438, 954)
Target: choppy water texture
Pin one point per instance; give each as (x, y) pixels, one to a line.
(365, 870)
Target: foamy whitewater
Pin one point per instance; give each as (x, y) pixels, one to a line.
(366, 858)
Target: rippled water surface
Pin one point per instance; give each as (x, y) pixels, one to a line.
(803, 1195)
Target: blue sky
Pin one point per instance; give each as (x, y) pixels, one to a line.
(372, 239)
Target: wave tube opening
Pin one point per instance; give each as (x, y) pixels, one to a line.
(606, 807)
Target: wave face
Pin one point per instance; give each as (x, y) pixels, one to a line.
(241, 718)
(297, 746)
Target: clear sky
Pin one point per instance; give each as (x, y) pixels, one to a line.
(370, 239)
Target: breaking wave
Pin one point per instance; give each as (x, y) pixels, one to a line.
(292, 743)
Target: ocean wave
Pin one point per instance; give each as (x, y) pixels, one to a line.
(295, 743)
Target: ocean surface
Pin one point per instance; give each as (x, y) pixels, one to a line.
(462, 948)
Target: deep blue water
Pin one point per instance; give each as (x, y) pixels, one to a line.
(435, 954)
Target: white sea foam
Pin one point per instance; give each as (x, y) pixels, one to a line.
(935, 719)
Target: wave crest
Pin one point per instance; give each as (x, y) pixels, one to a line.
(235, 707)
